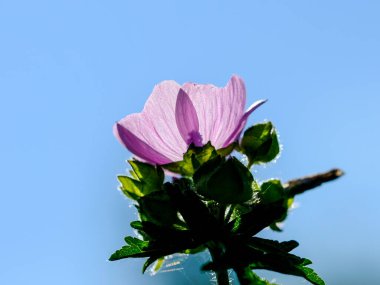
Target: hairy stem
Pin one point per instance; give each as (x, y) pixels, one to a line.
(216, 252)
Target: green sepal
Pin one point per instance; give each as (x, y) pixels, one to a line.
(227, 150)
(271, 191)
(192, 159)
(225, 181)
(260, 143)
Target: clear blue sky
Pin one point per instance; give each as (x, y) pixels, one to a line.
(70, 69)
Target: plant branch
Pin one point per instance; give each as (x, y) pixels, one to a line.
(300, 185)
(216, 252)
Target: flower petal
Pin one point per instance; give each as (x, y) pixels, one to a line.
(138, 147)
(156, 124)
(187, 119)
(239, 128)
(219, 110)
(159, 114)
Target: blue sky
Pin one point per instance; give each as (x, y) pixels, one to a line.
(70, 69)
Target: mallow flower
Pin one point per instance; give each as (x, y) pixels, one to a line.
(176, 116)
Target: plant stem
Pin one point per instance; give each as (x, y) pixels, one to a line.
(216, 252)
(300, 185)
(222, 277)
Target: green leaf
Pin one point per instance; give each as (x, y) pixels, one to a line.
(259, 253)
(310, 275)
(247, 277)
(260, 143)
(152, 177)
(192, 160)
(227, 182)
(192, 209)
(257, 218)
(287, 264)
(272, 191)
(134, 248)
(130, 187)
(275, 227)
(158, 208)
(155, 248)
(268, 245)
(145, 179)
(164, 234)
(137, 225)
(262, 281)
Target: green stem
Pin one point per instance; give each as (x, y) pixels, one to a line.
(222, 277)
(216, 252)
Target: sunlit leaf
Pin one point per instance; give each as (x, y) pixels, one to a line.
(130, 187)
(134, 248)
(151, 176)
(145, 179)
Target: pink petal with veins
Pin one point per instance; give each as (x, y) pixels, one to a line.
(138, 147)
(187, 119)
(156, 124)
(242, 122)
(219, 110)
(174, 117)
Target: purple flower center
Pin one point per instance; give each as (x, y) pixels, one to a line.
(195, 138)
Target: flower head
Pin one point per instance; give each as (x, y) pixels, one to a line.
(176, 116)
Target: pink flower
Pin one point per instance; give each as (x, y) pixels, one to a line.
(176, 116)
